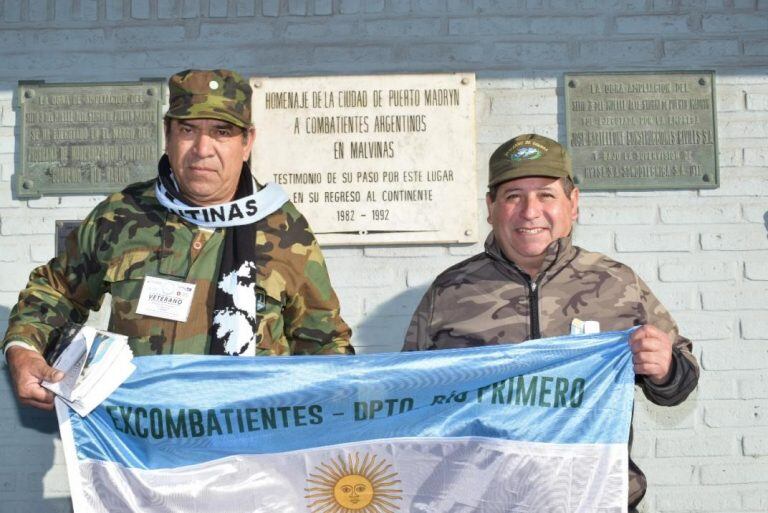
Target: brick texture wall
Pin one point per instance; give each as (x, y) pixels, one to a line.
(704, 253)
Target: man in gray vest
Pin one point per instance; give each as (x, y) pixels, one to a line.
(531, 282)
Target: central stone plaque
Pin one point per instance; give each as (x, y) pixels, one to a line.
(372, 159)
(642, 130)
(88, 138)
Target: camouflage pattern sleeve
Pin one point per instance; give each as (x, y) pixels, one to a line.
(313, 324)
(59, 292)
(685, 370)
(312, 316)
(417, 336)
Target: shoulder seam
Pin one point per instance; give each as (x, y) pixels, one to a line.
(463, 263)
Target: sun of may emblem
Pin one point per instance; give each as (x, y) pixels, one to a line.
(341, 486)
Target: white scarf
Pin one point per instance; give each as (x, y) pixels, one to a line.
(241, 211)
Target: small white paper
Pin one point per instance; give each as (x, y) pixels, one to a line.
(94, 364)
(166, 299)
(591, 327)
(579, 327)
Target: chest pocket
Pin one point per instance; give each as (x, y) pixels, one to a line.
(124, 279)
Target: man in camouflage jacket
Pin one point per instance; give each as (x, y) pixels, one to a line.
(134, 234)
(531, 282)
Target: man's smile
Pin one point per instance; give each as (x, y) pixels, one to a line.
(531, 231)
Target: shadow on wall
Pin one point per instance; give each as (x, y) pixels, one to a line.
(649, 416)
(383, 329)
(765, 220)
(28, 450)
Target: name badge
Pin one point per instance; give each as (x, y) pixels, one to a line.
(165, 299)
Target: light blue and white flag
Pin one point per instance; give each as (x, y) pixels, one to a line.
(535, 427)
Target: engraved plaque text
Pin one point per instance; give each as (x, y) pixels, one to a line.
(636, 131)
(87, 138)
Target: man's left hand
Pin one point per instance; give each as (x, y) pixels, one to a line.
(651, 353)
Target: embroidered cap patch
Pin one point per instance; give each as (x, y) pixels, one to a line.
(526, 153)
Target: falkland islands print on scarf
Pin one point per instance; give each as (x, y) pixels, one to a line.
(236, 325)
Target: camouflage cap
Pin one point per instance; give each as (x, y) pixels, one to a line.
(528, 155)
(210, 94)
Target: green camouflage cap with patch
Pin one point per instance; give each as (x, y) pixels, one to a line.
(210, 94)
(528, 155)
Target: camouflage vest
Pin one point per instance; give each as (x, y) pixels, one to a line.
(487, 299)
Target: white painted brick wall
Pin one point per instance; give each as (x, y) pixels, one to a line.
(704, 253)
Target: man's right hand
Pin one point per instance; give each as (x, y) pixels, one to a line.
(29, 369)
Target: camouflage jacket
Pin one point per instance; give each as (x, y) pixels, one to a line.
(130, 235)
(487, 300)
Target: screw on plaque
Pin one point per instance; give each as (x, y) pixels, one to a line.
(702, 81)
(705, 178)
(28, 184)
(571, 84)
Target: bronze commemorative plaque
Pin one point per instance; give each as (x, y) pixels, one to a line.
(87, 138)
(642, 130)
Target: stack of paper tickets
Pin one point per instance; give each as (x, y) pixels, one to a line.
(94, 364)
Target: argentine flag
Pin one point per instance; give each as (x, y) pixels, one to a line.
(535, 427)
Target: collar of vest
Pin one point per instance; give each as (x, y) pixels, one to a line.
(558, 253)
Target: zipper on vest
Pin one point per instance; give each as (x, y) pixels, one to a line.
(533, 302)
